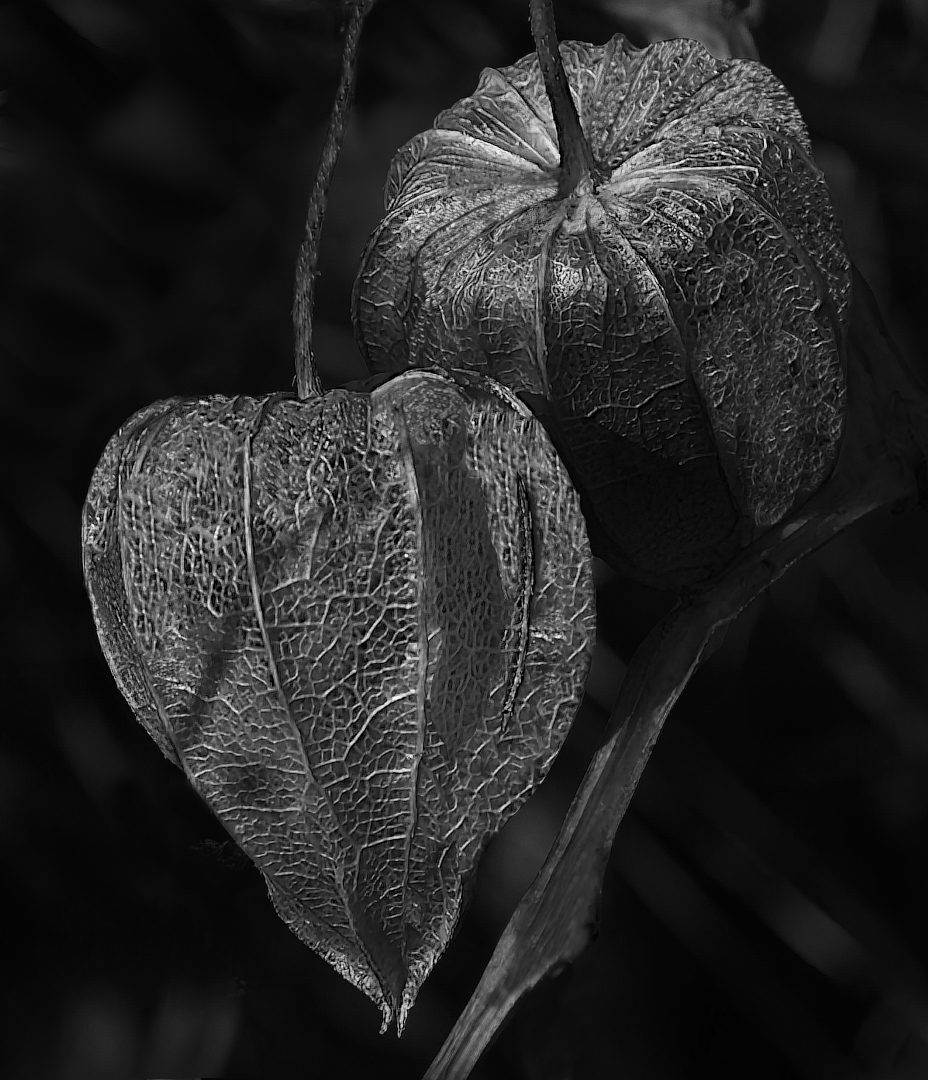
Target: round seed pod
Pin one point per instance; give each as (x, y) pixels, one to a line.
(677, 321)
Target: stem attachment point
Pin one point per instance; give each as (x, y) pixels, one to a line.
(577, 162)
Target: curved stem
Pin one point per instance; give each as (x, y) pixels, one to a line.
(307, 378)
(576, 158)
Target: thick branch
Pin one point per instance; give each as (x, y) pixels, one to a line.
(576, 157)
(885, 446)
(307, 378)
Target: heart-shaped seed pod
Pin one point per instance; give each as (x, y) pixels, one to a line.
(676, 317)
(361, 625)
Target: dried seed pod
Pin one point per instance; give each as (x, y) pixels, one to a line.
(361, 624)
(678, 324)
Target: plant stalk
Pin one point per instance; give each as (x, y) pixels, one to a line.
(308, 383)
(577, 162)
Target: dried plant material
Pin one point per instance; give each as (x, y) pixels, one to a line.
(361, 624)
(678, 326)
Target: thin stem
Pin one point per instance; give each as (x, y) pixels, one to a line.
(307, 378)
(576, 158)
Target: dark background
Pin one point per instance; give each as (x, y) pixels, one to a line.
(764, 913)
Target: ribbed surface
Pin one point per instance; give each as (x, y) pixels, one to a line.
(362, 625)
(681, 326)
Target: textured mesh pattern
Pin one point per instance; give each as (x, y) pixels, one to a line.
(361, 624)
(682, 323)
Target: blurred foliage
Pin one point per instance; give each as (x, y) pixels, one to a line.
(764, 908)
